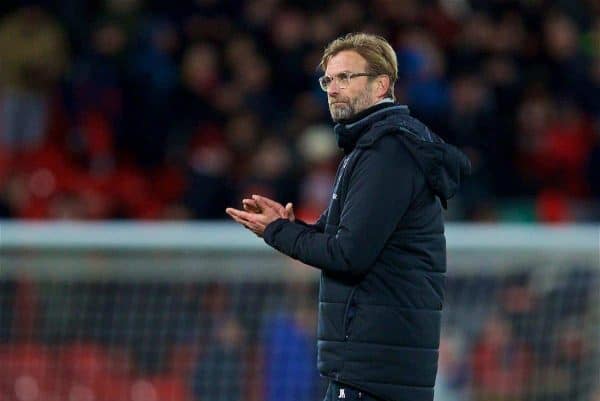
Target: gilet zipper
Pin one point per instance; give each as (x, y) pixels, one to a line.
(346, 317)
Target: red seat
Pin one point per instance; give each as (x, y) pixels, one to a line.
(82, 363)
(182, 359)
(112, 387)
(26, 372)
(170, 388)
(159, 388)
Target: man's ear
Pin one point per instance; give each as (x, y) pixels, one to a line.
(382, 85)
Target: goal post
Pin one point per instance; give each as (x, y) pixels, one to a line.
(207, 311)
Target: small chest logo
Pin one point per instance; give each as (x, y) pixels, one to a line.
(342, 393)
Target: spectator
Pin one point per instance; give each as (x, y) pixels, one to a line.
(318, 149)
(33, 54)
(452, 377)
(289, 356)
(220, 371)
(501, 365)
(593, 166)
(153, 79)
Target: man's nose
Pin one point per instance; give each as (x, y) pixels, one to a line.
(333, 88)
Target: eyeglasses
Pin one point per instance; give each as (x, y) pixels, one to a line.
(343, 79)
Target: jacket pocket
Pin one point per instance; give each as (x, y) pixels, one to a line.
(349, 312)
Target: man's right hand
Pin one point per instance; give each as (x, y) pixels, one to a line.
(258, 203)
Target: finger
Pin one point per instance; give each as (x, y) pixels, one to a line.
(272, 208)
(247, 224)
(251, 202)
(267, 202)
(253, 226)
(238, 219)
(230, 211)
(241, 214)
(250, 205)
(234, 214)
(289, 208)
(264, 206)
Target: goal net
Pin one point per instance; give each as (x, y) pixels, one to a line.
(207, 312)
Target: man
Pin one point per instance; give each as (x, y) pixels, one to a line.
(380, 244)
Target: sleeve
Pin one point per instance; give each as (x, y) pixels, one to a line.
(379, 193)
(319, 225)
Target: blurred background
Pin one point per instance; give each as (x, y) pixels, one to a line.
(117, 115)
(142, 109)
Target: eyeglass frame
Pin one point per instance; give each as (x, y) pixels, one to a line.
(349, 74)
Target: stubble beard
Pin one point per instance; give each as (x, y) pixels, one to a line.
(348, 108)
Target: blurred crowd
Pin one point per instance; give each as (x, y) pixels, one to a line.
(145, 109)
(505, 338)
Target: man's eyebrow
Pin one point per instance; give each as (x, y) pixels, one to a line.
(341, 72)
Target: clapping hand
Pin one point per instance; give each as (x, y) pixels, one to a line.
(259, 212)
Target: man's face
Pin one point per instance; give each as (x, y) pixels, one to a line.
(357, 95)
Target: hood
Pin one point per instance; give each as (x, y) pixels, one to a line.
(443, 165)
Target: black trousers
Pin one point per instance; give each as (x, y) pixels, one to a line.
(342, 392)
